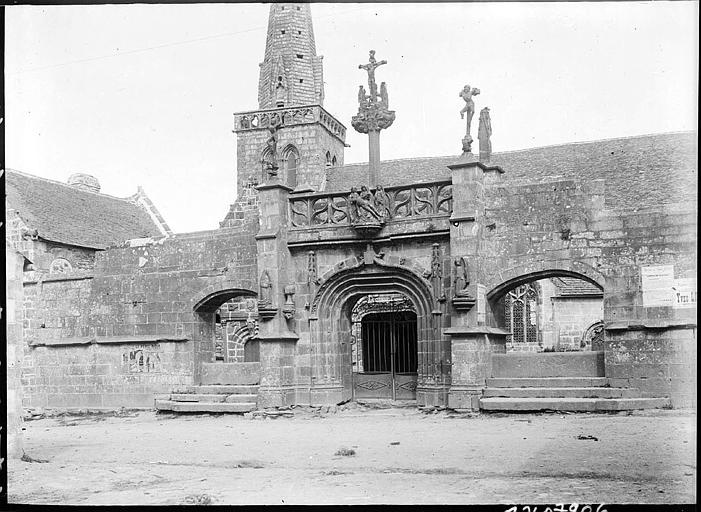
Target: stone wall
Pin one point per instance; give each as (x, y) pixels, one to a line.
(129, 329)
(12, 359)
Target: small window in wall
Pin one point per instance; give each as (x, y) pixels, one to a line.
(282, 31)
(300, 56)
(301, 80)
(333, 161)
(299, 32)
(298, 8)
(328, 158)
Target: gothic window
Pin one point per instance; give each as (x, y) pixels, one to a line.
(333, 161)
(290, 163)
(521, 312)
(328, 158)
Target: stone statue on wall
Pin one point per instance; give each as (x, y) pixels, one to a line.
(484, 132)
(381, 202)
(265, 297)
(462, 276)
(271, 158)
(373, 113)
(467, 113)
(361, 207)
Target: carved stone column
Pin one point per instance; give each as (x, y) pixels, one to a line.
(472, 341)
(276, 308)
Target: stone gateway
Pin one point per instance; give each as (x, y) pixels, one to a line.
(500, 281)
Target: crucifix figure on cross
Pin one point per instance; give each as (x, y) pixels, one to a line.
(370, 67)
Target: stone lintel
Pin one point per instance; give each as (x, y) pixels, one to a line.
(462, 331)
(282, 336)
(471, 161)
(273, 185)
(641, 325)
(266, 235)
(311, 243)
(463, 218)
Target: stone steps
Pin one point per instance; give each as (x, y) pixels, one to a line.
(546, 382)
(563, 392)
(571, 404)
(211, 397)
(226, 407)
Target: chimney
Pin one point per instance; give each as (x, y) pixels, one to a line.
(84, 182)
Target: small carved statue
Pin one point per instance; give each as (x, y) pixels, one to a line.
(484, 132)
(362, 97)
(384, 97)
(272, 157)
(437, 273)
(469, 109)
(462, 276)
(361, 205)
(381, 202)
(266, 290)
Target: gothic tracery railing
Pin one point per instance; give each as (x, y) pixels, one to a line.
(422, 200)
(288, 116)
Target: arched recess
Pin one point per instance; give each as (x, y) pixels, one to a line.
(516, 276)
(522, 275)
(330, 324)
(290, 164)
(205, 305)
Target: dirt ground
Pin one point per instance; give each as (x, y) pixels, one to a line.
(358, 456)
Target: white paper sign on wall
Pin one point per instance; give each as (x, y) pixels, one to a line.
(658, 285)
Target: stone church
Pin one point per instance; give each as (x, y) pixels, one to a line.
(552, 278)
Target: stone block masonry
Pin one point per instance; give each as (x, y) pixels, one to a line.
(130, 330)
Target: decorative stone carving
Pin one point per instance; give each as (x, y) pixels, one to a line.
(462, 276)
(312, 276)
(288, 309)
(462, 300)
(271, 157)
(29, 234)
(266, 309)
(466, 113)
(364, 217)
(436, 274)
(422, 200)
(373, 115)
(484, 132)
(60, 266)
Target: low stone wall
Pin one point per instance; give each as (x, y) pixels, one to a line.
(659, 362)
(548, 364)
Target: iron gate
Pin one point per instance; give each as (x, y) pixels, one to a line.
(384, 352)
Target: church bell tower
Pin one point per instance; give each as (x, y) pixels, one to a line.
(290, 138)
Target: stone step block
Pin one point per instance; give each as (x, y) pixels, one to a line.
(224, 390)
(548, 364)
(230, 373)
(565, 392)
(241, 399)
(197, 397)
(571, 404)
(170, 405)
(547, 382)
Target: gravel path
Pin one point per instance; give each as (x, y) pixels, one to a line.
(402, 456)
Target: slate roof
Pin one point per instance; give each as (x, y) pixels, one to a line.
(64, 214)
(573, 287)
(650, 169)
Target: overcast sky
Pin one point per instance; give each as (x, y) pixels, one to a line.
(144, 94)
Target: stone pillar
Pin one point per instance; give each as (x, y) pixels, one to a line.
(14, 263)
(374, 163)
(472, 341)
(276, 307)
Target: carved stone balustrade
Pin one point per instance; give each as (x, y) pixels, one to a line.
(289, 116)
(405, 202)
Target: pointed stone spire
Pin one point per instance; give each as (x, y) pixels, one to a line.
(291, 72)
